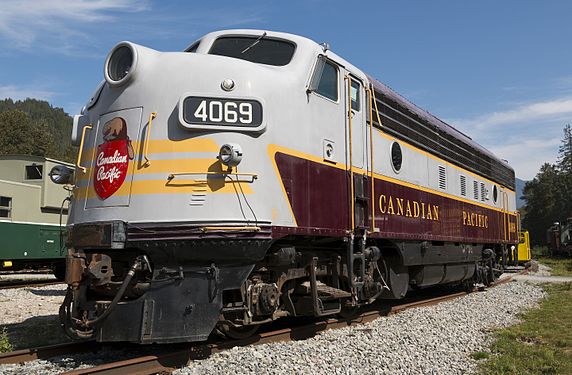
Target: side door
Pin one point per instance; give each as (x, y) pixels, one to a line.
(355, 118)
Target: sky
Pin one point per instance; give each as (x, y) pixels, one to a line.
(499, 71)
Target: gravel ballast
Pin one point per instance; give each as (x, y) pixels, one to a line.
(20, 304)
(427, 340)
(29, 315)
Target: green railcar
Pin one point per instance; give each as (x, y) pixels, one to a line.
(31, 210)
(30, 245)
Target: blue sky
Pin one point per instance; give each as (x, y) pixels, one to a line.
(500, 71)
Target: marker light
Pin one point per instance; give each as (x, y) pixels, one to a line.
(61, 175)
(230, 154)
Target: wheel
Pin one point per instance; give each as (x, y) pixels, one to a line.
(468, 285)
(237, 333)
(348, 312)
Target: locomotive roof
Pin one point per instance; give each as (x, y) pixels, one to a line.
(438, 124)
(431, 119)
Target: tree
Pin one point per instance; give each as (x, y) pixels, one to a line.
(20, 135)
(565, 170)
(541, 195)
(49, 127)
(549, 195)
(565, 151)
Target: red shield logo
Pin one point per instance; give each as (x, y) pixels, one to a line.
(111, 166)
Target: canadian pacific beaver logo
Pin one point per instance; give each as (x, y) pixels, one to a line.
(112, 159)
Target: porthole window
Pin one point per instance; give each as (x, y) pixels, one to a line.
(396, 157)
(495, 194)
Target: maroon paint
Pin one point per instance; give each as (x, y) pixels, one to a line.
(318, 193)
(318, 197)
(450, 226)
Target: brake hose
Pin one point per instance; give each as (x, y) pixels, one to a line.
(136, 265)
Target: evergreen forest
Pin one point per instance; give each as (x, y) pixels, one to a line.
(549, 195)
(34, 127)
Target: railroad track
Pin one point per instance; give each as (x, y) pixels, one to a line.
(28, 284)
(175, 356)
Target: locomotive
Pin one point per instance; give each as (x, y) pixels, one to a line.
(258, 175)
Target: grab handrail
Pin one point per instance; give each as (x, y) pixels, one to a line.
(152, 115)
(79, 154)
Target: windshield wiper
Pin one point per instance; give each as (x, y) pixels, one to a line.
(253, 43)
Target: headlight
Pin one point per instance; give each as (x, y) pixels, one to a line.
(230, 154)
(120, 64)
(61, 175)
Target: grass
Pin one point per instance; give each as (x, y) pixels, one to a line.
(560, 266)
(5, 345)
(541, 344)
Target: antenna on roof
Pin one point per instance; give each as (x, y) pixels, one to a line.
(325, 46)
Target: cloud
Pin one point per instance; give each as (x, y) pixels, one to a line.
(524, 114)
(527, 155)
(21, 93)
(526, 135)
(57, 23)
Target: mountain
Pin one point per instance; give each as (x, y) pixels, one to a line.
(519, 187)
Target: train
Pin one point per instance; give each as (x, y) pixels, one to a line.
(257, 175)
(559, 238)
(33, 213)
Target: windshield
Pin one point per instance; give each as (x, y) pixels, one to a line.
(257, 49)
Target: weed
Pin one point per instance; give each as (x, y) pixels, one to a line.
(480, 355)
(5, 345)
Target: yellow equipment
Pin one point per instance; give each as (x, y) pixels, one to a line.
(523, 251)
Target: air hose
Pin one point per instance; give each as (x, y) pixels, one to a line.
(66, 314)
(136, 266)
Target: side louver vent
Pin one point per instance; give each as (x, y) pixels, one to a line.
(442, 178)
(463, 181)
(476, 190)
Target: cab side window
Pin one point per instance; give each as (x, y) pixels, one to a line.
(355, 95)
(325, 79)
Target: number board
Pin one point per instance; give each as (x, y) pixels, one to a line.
(218, 111)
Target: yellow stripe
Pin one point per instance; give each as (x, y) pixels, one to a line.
(178, 186)
(273, 149)
(165, 166)
(186, 145)
(181, 185)
(164, 146)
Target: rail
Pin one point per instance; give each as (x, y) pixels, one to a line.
(252, 176)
